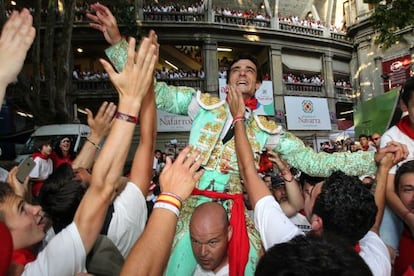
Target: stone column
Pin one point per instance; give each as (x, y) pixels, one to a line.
(276, 72)
(327, 75)
(378, 87)
(139, 9)
(210, 60)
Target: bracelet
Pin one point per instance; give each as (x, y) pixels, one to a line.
(236, 119)
(126, 117)
(93, 143)
(169, 199)
(167, 206)
(406, 213)
(173, 195)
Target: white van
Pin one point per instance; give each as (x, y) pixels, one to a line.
(54, 133)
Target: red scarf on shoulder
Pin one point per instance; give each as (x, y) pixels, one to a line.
(40, 155)
(405, 126)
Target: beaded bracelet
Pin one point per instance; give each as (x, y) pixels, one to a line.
(167, 206)
(93, 143)
(126, 117)
(169, 199)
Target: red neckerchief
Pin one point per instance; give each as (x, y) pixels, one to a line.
(251, 103)
(40, 155)
(23, 256)
(239, 243)
(405, 126)
(357, 248)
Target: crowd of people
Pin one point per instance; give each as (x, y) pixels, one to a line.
(308, 23)
(306, 207)
(303, 78)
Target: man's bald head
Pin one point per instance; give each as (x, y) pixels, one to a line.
(210, 234)
(210, 213)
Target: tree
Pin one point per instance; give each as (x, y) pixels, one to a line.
(388, 19)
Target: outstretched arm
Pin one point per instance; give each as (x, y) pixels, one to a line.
(295, 200)
(132, 84)
(99, 125)
(141, 172)
(150, 254)
(390, 155)
(16, 38)
(255, 187)
(105, 22)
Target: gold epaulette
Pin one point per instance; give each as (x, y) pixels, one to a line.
(207, 101)
(267, 125)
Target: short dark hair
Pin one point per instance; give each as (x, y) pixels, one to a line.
(5, 192)
(407, 90)
(407, 167)
(60, 196)
(248, 57)
(363, 136)
(346, 207)
(312, 180)
(312, 255)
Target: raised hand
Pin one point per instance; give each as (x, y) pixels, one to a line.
(181, 176)
(133, 82)
(101, 123)
(236, 102)
(105, 22)
(16, 38)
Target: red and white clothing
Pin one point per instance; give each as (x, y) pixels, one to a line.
(43, 167)
(57, 160)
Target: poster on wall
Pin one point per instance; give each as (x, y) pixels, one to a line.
(264, 96)
(396, 71)
(307, 113)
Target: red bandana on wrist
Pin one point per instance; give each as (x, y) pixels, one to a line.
(405, 126)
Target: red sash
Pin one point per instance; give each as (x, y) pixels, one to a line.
(239, 244)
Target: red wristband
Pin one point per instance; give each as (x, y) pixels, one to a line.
(126, 117)
(237, 118)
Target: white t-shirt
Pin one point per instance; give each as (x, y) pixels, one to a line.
(64, 255)
(127, 222)
(395, 134)
(42, 169)
(199, 271)
(128, 219)
(301, 222)
(274, 227)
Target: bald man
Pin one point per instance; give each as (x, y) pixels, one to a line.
(210, 233)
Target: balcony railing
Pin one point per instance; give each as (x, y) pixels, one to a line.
(344, 92)
(106, 85)
(300, 29)
(248, 21)
(304, 89)
(174, 16)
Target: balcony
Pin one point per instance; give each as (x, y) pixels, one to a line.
(304, 89)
